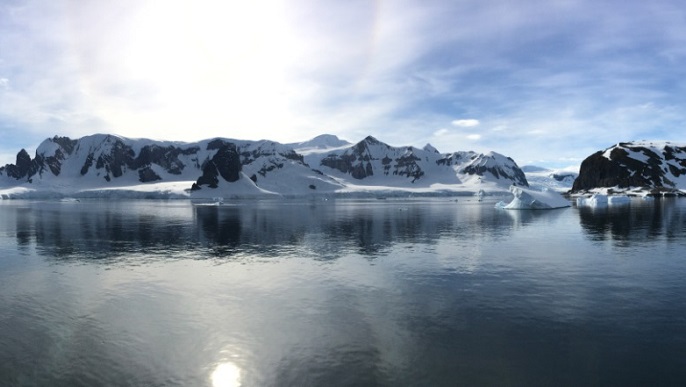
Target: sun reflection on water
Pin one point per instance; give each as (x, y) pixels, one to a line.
(226, 375)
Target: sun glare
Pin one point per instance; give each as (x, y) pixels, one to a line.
(212, 63)
(226, 375)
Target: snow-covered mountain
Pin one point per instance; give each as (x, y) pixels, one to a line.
(319, 144)
(647, 166)
(371, 162)
(560, 180)
(109, 165)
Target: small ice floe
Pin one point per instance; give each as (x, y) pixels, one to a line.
(529, 199)
(600, 200)
(596, 200)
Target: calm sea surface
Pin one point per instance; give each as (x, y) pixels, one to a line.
(341, 293)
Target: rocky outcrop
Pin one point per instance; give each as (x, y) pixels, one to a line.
(166, 157)
(246, 167)
(370, 156)
(501, 167)
(22, 169)
(644, 165)
(357, 160)
(479, 164)
(226, 163)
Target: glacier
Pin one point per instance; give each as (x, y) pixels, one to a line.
(560, 179)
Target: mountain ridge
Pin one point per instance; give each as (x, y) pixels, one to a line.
(234, 168)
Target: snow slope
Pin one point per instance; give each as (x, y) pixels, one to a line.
(104, 165)
(560, 180)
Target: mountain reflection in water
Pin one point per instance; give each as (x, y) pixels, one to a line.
(340, 292)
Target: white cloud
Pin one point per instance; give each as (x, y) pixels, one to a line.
(473, 136)
(466, 123)
(4, 83)
(441, 132)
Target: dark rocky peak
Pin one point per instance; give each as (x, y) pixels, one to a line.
(371, 140)
(23, 168)
(225, 163)
(23, 160)
(366, 148)
(430, 148)
(641, 164)
(500, 166)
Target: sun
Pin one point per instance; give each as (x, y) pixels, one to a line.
(226, 375)
(208, 63)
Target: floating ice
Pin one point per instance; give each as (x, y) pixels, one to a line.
(600, 200)
(596, 200)
(529, 199)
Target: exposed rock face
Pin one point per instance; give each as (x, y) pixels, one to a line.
(65, 147)
(246, 166)
(495, 164)
(371, 156)
(634, 164)
(356, 161)
(114, 162)
(165, 156)
(24, 167)
(225, 163)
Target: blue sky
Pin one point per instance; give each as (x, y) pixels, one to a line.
(545, 82)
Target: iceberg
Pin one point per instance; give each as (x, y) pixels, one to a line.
(529, 199)
(600, 200)
(596, 200)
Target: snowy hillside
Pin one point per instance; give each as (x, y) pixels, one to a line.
(105, 165)
(560, 180)
(645, 166)
(319, 144)
(372, 163)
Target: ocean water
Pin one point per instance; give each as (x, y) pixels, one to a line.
(432, 292)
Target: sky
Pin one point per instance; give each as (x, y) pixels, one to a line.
(545, 82)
